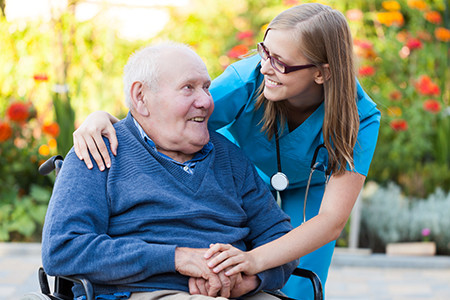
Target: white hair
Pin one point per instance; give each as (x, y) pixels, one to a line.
(143, 66)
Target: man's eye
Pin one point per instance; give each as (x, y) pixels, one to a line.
(188, 87)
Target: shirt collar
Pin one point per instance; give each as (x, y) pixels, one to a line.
(197, 157)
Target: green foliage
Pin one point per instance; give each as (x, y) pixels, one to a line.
(24, 194)
(388, 216)
(407, 74)
(82, 64)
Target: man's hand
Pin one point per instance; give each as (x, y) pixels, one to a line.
(245, 285)
(201, 286)
(191, 262)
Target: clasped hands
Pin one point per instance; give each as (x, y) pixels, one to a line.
(213, 272)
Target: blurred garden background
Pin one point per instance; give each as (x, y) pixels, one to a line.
(61, 60)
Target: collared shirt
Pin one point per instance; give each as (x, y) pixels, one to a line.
(187, 166)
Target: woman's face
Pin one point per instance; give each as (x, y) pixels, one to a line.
(300, 88)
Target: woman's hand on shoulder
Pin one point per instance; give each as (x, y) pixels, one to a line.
(88, 139)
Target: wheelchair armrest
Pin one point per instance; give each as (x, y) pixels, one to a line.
(61, 284)
(315, 280)
(84, 282)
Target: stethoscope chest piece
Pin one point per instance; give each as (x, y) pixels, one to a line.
(279, 181)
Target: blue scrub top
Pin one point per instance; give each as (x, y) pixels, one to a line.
(234, 94)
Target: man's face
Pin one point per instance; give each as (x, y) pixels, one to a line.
(181, 105)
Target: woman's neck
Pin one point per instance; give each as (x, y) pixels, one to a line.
(297, 115)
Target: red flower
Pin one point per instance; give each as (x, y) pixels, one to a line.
(433, 17)
(399, 125)
(5, 131)
(238, 51)
(244, 35)
(395, 95)
(432, 106)
(51, 129)
(426, 87)
(40, 77)
(18, 112)
(414, 43)
(366, 71)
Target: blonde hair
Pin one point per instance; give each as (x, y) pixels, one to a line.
(325, 39)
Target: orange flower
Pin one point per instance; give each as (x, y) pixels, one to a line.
(366, 71)
(417, 4)
(413, 44)
(390, 5)
(52, 144)
(432, 106)
(40, 77)
(433, 17)
(44, 150)
(394, 111)
(399, 125)
(51, 128)
(391, 18)
(442, 34)
(5, 131)
(238, 51)
(403, 36)
(18, 112)
(426, 87)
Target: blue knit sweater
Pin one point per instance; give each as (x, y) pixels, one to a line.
(120, 227)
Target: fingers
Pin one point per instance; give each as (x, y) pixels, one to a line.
(197, 286)
(94, 143)
(110, 133)
(225, 290)
(81, 150)
(225, 260)
(214, 248)
(214, 284)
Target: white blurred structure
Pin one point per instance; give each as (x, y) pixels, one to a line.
(133, 19)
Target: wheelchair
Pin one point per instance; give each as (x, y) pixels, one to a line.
(63, 284)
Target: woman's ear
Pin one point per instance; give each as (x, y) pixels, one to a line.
(138, 98)
(322, 74)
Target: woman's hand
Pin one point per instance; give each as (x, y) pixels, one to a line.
(88, 139)
(224, 256)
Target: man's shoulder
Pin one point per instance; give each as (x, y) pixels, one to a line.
(225, 147)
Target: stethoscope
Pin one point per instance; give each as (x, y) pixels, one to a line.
(279, 181)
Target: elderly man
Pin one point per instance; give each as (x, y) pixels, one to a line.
(139, 230)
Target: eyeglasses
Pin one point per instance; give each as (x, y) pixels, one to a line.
(278, 65)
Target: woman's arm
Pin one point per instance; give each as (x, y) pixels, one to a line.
(338, 200)
(88, 139)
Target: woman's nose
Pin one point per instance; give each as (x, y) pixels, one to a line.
(266, 67)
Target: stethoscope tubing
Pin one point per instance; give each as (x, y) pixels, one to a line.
(280, 181)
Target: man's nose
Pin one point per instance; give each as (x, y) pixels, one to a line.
(204, 99)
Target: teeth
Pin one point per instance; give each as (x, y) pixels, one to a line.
(198, 119)
(272, 82)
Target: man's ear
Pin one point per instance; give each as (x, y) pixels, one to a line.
(138, 98)
(322, 74)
